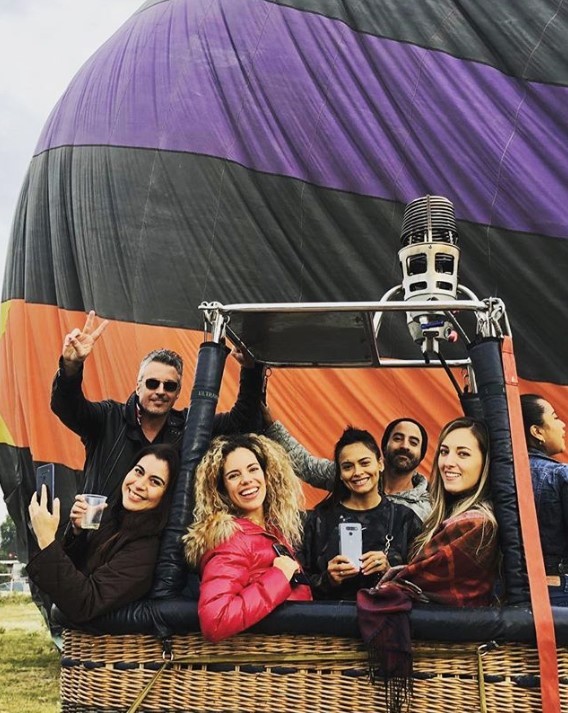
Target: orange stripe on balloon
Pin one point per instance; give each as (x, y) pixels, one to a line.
(314, 404)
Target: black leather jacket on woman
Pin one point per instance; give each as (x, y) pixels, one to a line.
(321, 542)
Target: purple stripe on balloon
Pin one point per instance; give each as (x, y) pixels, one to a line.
(300, 95)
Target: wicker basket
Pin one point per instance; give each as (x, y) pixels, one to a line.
(285, 673)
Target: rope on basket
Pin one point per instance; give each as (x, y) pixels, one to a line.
(481, 652)
(249, 658)
(168, 656)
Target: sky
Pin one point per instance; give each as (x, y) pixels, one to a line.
(44, 43)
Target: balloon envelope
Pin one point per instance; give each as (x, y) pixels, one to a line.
(263, 151)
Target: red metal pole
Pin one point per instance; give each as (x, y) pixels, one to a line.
(542, 613)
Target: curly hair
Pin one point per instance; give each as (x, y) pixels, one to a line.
(444, 507)
(282, 505)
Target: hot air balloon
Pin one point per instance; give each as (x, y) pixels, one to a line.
(264, 151)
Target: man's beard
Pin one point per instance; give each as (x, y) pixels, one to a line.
(154, 414)
(401, 466)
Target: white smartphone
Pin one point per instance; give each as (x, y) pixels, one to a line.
(351, 542)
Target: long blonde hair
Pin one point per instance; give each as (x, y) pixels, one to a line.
(214, 513)
(477, 499)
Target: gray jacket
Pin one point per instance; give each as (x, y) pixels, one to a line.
(320, 472)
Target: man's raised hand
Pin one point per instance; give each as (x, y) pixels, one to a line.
(78, 344)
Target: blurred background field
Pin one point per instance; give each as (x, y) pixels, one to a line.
(29, 661)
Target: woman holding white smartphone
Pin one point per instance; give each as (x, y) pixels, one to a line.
(356, 533)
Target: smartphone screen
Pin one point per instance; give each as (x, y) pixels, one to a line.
(45, 475)
(351, 542)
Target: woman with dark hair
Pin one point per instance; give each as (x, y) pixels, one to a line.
(247, 522)
(544, 433)
(387, 528)
(94, 572)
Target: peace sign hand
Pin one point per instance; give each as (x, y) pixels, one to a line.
(78, 344)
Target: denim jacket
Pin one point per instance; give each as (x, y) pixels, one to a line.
(550, 486)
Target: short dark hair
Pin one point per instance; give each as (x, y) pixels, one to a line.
(532, 406)
(393, 424)
(163, 356)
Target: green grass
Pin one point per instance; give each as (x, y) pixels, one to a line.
(29, 662)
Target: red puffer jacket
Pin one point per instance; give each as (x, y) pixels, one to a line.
(239, 585)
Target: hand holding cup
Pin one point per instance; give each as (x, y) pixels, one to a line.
(94, 506)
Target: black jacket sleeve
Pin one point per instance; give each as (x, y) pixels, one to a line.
(308, 557)
(125, 577)
(68, 403)
(407, 527)
(245, 416)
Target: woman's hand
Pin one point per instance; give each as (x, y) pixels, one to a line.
(286, 565)
(339, 569)
(77, 512)
(374, 563)
(44, 523)
(391, 573)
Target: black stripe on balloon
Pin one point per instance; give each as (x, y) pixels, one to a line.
(523, 40)
(146, 236)
(300, 95)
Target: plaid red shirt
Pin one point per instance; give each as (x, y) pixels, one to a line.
(458, 566)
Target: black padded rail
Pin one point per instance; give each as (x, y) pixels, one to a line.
(171, 570)
(429, 622)
(488, 367)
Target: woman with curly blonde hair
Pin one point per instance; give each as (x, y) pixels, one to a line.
(247, 523)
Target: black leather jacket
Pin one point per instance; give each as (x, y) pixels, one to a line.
(111, 434)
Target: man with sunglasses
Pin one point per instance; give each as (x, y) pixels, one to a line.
(113, 432)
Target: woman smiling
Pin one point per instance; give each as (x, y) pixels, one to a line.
(453, 560)
(246, 524)
(387, 528)
(93, 572)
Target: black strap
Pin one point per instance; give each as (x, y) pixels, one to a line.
(389, 535)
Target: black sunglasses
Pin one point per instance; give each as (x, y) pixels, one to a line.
(169, 386)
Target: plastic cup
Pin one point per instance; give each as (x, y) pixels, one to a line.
(95, 508)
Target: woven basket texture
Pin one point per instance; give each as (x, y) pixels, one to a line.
(288, 673)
